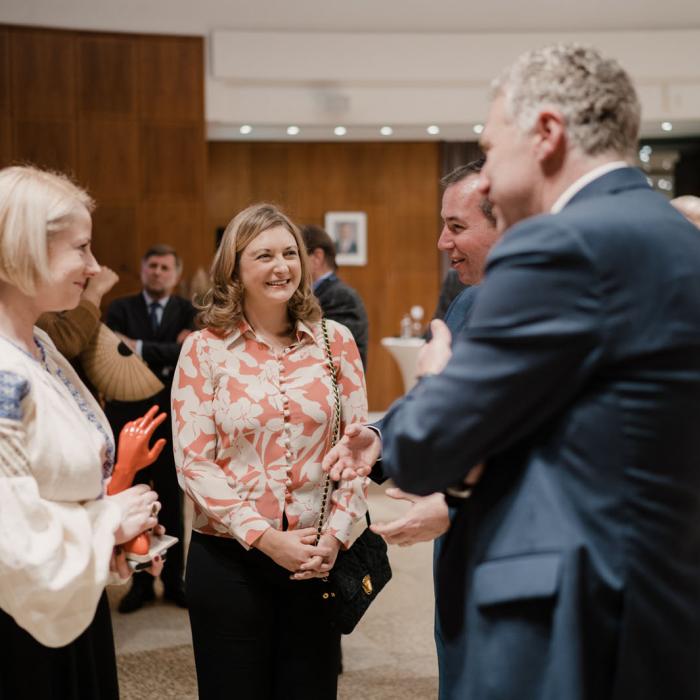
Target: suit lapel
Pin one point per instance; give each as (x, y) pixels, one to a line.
(169, 314)
(141, 315)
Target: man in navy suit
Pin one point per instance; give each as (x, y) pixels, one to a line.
(574, 567)
(154, 324)
(338, 301)
(468, 234)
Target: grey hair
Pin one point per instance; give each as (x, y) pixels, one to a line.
(594, 94)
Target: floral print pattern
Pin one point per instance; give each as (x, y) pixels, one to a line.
(251, 426)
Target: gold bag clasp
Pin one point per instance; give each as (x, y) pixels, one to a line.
(367, 585)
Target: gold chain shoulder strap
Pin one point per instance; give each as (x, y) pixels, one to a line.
(335, 428)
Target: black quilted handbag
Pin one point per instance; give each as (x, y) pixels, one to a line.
(361, 571)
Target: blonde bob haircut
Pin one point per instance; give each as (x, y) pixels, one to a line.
(221, 309)
(34, 205)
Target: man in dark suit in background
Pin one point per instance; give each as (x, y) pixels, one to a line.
(574, 567)
(338, 301)
(154, 324)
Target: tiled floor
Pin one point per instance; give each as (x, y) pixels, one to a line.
(390, 654)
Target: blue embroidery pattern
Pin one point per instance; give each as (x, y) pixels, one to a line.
(13, 389)
(108, 464)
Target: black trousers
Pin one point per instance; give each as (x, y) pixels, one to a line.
(85, 669)
(256, 634)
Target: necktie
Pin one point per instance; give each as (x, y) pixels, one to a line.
(153, 315)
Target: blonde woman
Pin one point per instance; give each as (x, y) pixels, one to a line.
(252, 411)
(58, 531)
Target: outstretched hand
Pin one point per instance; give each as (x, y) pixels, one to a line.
(355, 453)
(435, 354)
(426, 519)
(133, 450)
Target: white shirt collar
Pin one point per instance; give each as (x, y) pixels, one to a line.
(575, 187)
(323, 277)
(149, 300)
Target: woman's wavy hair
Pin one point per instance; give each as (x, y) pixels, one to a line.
(221, 309)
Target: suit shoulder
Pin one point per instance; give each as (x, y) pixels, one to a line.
(128, 300)
(340, 292)
(544, 234)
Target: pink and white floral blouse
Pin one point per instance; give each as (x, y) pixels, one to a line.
(251, 426)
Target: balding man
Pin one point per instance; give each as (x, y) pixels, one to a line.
(577, 383)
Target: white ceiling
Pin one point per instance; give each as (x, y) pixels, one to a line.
(202, 16)
(467, 41)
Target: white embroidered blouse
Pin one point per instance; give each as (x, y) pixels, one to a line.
(56, 532)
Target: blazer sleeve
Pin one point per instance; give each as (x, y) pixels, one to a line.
(71, 330)
(341, 304)
(117, 317)
(535, 335)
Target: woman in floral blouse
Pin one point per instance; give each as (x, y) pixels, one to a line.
(252, 408)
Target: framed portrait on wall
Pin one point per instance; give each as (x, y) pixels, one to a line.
(348, 229)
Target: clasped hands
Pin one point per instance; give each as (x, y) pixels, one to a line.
(297, 551)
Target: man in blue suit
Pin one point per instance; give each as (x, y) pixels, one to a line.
(574, 567)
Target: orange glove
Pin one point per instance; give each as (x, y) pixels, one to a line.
(133, 455)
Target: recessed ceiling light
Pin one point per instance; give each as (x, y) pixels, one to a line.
(666, 126)
(478, 128)
(433, 129)
(340, 131)
(386, 131)
(246, 129)
(293, 130)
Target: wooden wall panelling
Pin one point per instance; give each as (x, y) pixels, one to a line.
(124, 114)
(4, 73)
(224, 167)
(173, 148)
(107, 77)
(172, 163)
(5, 140)
(115, 243)
(108, 159)
(5, 104)
(179, 224)
(46, 144)
(395, 184)
(43, 74)
(171, 78)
